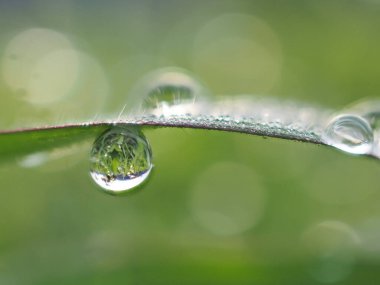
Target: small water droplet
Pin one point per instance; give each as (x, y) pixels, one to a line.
(120, 160)
(171, 86)
(350, 133)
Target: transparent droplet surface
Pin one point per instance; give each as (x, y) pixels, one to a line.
(350, 133)
(368, 109)
(169, 87)
(120, 160)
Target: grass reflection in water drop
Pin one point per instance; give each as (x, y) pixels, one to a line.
(169, 95)
(120, 160)
(170, 86)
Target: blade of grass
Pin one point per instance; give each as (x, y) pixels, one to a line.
(268, 118)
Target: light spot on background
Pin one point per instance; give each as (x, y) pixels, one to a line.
(24, 52)
(90, 93)
(237, 53)
(331, 247)
(227, 198)
(43, 68)
(369, 231)
(53, 77)
(33, 160)
(57, 159)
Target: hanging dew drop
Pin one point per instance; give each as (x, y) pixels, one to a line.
(350, 133)
(120, 160)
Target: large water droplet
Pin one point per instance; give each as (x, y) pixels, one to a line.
(350, 133)
(120, 160)
(171, 86)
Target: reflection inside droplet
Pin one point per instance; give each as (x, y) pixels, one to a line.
(120, 160)
(350, 133)
(168, 95)
(168, 87)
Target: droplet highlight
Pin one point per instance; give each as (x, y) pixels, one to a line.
(350, 133)
(120, 160)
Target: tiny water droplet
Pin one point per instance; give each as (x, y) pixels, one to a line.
(350, 133)
(120, 160)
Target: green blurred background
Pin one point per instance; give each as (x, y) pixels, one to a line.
(221, 208)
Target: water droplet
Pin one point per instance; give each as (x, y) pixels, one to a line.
(171, 86)
(350, 133)
(120, 160)
(370, 110)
